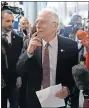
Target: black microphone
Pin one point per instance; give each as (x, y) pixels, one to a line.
(81, 76)
(25, 31)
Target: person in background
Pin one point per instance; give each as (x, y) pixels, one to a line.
(25, 31)
(24, 28)
(22, 98)
(76, 21)
(61, 32)
(48, 59)
(12, 45)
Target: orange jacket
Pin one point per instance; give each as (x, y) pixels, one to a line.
(87, 60)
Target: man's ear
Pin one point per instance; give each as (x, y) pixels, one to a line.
(55, 26)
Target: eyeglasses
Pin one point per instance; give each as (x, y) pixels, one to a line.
(43, 22)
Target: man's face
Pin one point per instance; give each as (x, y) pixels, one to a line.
(24, 25)
(7, 22)
(45, 27)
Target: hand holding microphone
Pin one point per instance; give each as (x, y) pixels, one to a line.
(81, 34)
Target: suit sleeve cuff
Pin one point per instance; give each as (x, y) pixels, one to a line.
(29, 55)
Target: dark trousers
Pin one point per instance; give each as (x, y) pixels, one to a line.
(4, 98)
(11, 93)
(75, 98)
(22, 97)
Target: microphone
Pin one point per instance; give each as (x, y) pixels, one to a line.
(81, 34)
(25, 31)
(81, 77)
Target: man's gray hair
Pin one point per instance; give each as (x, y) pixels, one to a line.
(54, 16)
(6, 11)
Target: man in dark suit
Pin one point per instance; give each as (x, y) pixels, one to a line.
(63, 54)
(12, 43)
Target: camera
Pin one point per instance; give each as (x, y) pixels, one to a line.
(15, 10)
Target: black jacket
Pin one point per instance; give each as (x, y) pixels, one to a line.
(33, 66)
(13, 51)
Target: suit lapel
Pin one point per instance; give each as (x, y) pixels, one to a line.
(13, 38)
(38, 55)
(61, 52)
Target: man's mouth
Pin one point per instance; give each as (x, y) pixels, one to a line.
(10, 27)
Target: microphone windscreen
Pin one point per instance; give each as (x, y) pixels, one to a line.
(81, 76)
(25, 31)
(81, 34)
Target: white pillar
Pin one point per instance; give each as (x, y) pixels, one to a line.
(77, 8)
(30, 11)
(40, 6)
(65, 10)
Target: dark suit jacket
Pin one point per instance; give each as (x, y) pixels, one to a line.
(13, 51)
(33, 66)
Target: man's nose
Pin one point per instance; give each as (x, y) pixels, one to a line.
(38, 25)
(11, 23)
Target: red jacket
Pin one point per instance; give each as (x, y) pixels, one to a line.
(87, 60)
(86, 102)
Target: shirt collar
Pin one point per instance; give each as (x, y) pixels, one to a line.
(52, 43)
(8, 33)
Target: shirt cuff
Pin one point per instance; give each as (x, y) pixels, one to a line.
(29, 55)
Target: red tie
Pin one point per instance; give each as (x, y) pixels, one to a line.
(46, 67)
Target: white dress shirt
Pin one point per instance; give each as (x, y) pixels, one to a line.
(9, 37)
